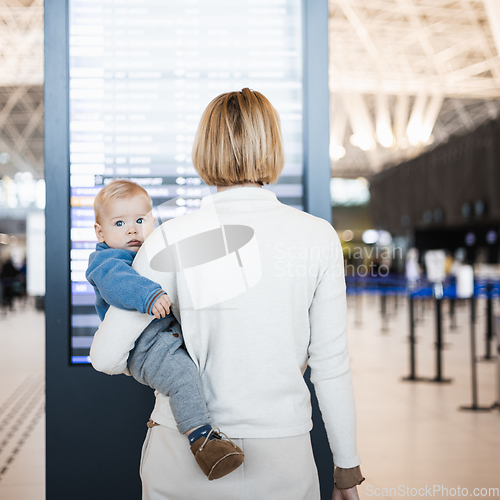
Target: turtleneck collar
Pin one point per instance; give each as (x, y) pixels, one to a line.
(239, 193)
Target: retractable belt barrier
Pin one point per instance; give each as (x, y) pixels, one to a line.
(420, 290)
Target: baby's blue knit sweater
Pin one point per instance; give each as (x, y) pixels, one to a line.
(116, 283)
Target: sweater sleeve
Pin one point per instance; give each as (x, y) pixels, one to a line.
(120, 285)
(119, 330)
(115, 338)
(329, 358)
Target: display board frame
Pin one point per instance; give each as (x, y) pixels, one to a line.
(95, 424)
(141, 74)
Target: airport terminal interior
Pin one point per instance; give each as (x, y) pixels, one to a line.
(410, 435)
(414, 157)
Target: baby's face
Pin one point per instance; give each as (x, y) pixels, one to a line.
(125, 223)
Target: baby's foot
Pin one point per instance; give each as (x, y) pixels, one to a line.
(215, 455)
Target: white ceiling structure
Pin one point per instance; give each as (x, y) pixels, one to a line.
(21, 87)
(407, 74)
(404, 76)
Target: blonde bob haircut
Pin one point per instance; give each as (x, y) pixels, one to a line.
(239, 141)
(115, 190)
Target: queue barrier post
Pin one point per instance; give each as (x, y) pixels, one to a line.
(489, 323)
(475, 406)
(383, 308)
(358, 304)
(453, 315)
(412, 340)
(438, 307)
(496, 404)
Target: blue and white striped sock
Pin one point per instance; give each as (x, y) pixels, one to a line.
(202, 431)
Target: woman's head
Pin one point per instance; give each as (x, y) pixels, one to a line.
(239, 141)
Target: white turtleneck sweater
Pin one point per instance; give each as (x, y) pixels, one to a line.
(287, 310)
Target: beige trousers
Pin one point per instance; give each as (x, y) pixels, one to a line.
(274, 469)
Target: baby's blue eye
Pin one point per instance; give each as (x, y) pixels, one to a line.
(119, 223)
(140, 220)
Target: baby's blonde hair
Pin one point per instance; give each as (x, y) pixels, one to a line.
(239, 140)
(115, 190)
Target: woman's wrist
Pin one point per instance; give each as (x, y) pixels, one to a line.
(347, 478)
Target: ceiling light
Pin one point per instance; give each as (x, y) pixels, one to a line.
(361, 32)
(384, 238)
(336, 152)
(384, 135)
(362, 140)
(347, 235)
(370, 236)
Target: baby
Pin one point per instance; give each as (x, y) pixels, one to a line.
(123, 222)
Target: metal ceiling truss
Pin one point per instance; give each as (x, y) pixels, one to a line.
(409, 74)
(21, 86)
(21, 129)
(404, 76)
(21, 47)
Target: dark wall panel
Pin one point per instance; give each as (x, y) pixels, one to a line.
(95, 424)
(430, 191)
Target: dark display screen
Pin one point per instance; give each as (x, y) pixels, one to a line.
(141, 74)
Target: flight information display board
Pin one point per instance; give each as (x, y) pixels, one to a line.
(141, 74)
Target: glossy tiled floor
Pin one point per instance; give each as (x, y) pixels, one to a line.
(22, 401)
(410, 434)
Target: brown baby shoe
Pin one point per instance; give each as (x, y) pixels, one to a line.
(216, 456)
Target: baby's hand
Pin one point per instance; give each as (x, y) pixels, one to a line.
(161, 307)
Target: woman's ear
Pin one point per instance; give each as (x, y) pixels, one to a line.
(99, 233)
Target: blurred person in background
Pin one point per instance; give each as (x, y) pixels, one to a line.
(8, 276)
(21, 283)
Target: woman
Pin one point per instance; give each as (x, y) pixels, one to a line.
(260, 293)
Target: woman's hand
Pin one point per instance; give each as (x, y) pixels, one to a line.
(348, 494)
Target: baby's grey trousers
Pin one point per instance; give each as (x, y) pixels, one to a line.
(160, 361)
